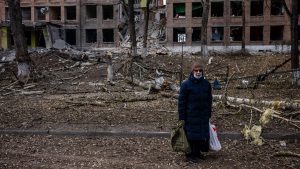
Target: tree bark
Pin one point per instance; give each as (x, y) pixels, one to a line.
(204, 49)
(294, 39)
(146, 13)
(243, 28)
(132, 29)
(22, 56)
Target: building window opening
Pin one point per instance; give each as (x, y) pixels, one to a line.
(256, 33)
(236, 8)
(41, 13)
(26, 13)
(177, 32)
(257, 8)
(197, 9)
(217, 9)
(108, 35)
(91, 11)
(39, 38)
(217, 34)
(236, 33)
(298, 32)
(70, 36)
(28, 37)
(91, 35)
(277, 7)
(55, 13)
(196, 35)
(108, 12)
(179, 10)
(6, 14)
(70, 12)
(276, 33)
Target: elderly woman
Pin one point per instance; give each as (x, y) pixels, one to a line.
(194, 107)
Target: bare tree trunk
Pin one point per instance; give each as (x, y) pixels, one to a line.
(22, 56)
(204, 49)
(294, 39)
(146, 12)
(132, 28)
(243, 28)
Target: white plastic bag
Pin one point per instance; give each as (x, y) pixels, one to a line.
(214, 143)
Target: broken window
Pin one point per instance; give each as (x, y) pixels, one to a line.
(178, 33)
(217, 33)
(108, 35)
(70, 12)
(179, 10)
(6, 14)
(197, 9)
(27, 35)
(70, 36)
(277, 7)
(91, 11)
(55, 13)
(298, 32)
(276, 32)
(196, 35)
(39, 38)
(256, 33)
(257, 8)
(108, 12)
(217, 8)
(41, 13)
(236, 8)
(236, 33)
(26, 13)
(91, 35)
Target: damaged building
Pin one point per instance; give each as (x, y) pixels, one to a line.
(78, 23)
(102, 23)
(267, 24)
(84, 24)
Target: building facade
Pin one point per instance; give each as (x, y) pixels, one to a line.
(266, 22)
(96, 23)
(80, 23)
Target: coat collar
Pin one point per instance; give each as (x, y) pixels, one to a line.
(194, 80)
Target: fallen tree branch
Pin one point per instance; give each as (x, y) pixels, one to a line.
(286, 154)
(9, 86)
(96, 103)
(292, 122)
(73, 78)
(275, 114)
(275, 104)
(262, 77)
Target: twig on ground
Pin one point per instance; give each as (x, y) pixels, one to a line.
(73, 78)
(286, 154)
(8, 86)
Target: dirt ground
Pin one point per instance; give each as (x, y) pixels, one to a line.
(64, 94)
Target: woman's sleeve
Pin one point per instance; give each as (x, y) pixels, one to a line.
(182, 101)
(210, 100)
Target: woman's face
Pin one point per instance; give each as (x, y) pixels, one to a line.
(198, 71)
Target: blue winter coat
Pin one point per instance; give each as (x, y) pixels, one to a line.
(195, 106)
